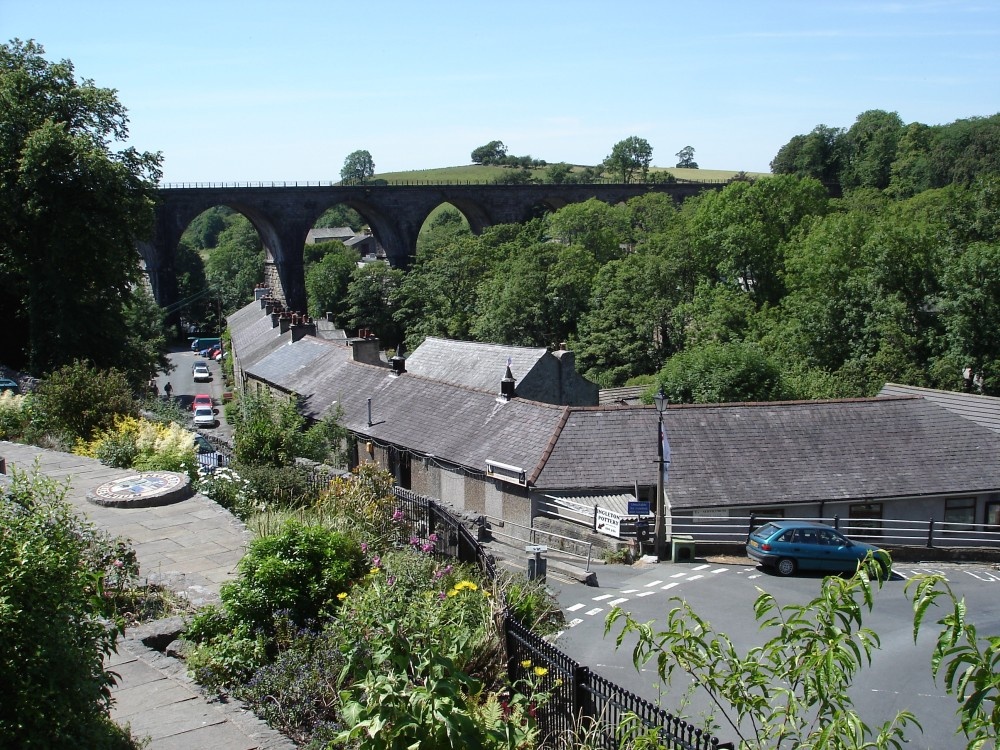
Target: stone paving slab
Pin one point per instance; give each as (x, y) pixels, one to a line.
(191, 547)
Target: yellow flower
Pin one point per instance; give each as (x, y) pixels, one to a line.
(526, 663)
(558, 682)
(374, 571)
(487, 593)
(453, 592)
(541, 671)
(342, 595)
(466, 585)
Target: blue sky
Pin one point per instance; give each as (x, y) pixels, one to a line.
(261, 91)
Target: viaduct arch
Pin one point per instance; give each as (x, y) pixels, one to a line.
(283, 216)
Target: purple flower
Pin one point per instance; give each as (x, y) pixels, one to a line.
(398, 515)
(414, 541)
(391, 580)
(376, 562)
(426, 547)
(364, 546)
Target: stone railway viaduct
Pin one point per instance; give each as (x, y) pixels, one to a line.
(283, 215)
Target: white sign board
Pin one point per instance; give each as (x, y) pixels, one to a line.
(608, 522)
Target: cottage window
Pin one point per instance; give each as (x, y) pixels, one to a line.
(993, 513)
(960, 511)
(865, 519)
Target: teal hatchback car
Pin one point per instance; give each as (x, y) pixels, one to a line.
(787, 546)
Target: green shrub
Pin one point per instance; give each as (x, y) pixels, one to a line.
(77, 400)
(226, 652)
(306, 674)
(276, 487)
(532, 604)
(234, 493)
(363, 504)
(300, 570)
(54, 634)
(14, 416)
(133, 443)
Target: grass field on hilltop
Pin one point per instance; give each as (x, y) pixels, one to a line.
(478, 173)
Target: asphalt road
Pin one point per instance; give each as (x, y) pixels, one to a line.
(184, 388)
(899, 677)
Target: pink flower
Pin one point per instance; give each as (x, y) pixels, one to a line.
(364, 546)
(376, 562)
(398, 515)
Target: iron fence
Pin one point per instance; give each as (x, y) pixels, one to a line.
(580, 703)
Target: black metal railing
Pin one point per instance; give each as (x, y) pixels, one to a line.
(580, 703)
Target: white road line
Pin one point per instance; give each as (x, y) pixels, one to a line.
(593, 611)
(694, 578)
(700, 567)
(616, 602)
(629, 591)
(602, 597)
(645, 593)
(979, 577)
(678, 575)
(668, 586)
(575, 607)
(901, 575)
(720, 570)
(758, 575)
(574, 622)
(653, 583)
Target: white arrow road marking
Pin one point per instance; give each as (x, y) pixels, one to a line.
(594, 611)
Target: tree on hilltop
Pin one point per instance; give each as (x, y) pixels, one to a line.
(685, 158)
(358, 167)
(628, 157)
(493, 152)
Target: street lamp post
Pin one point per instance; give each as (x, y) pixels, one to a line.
(659, 535)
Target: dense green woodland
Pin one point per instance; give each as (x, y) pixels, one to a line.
(764, 290)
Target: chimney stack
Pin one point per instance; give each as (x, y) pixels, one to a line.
(398, 362)
(507, 386)
(305, 327)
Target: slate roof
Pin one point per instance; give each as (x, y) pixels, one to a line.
(329, 233)
(779, 453)
(722, 454)
(627, 394)
(457, 425)
(983, 410)
(470, 363)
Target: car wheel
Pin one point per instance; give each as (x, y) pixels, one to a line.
(785, 567)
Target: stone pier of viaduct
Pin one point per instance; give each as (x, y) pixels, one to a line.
(283, 216)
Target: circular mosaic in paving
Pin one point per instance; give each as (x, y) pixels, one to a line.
(145, 490)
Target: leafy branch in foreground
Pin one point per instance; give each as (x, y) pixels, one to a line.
(791, 692)
(971, 665)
